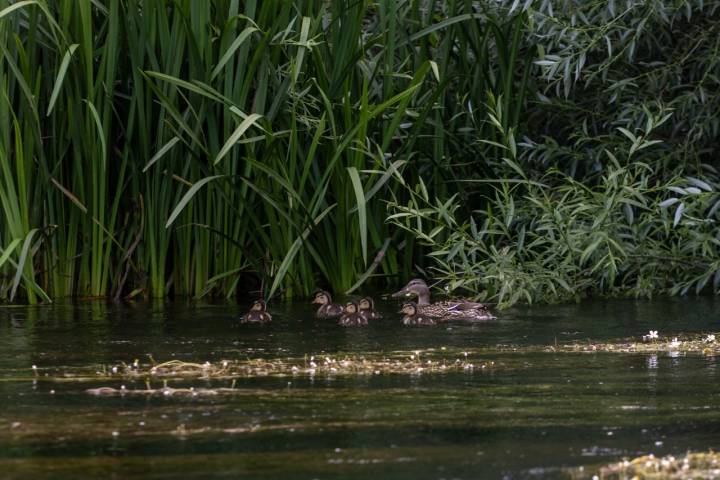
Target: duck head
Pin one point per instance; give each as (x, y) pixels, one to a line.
(409, 308)
(415, 287)
(259, 306)
(351, 307)
(322, 298)
(366, 303)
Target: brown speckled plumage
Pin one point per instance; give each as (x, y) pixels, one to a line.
(327, 308)
(412, 317)
(367, 309)
(459, 309)
(351, 316)
(257, 314)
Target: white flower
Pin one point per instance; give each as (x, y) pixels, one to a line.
(652, 335)
(710, 338)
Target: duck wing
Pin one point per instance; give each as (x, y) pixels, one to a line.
(462, 310)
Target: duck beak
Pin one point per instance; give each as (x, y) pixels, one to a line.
(316, 300)
(402, 293)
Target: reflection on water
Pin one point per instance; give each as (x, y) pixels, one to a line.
(529, 418)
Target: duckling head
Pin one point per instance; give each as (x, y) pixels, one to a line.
(259, 306)
(322, 297)
(409, 308)
(351, 307)
(366, 303)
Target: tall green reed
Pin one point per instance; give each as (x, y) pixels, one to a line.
(151, 147)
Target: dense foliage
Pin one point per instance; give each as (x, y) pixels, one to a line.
(613, 188)
(522, 151)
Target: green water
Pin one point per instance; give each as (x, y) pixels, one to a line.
(533, 416)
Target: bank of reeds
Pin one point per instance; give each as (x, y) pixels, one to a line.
(529, 151)
(155, 147)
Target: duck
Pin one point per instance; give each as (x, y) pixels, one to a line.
(412, 317)
(327, 308)
(351, 316)
(367, 309)
(257, 314)
(457, 309)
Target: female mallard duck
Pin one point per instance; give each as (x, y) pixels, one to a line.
(412, 317)
(367, 309)
(327, 308)
(257, 314)
(446, 310)
(351, 316)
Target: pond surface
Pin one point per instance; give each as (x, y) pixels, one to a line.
(532, 416)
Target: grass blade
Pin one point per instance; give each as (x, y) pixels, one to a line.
(188, 196)
(61, 77)
(239, 131)
(361, 208)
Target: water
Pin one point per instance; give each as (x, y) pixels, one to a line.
(533, 416)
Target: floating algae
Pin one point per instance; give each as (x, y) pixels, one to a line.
(429, 361)
(407, 363)
(692, 344)
(164, 391)
(692, 465)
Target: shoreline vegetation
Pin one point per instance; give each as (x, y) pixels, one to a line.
(537, 151)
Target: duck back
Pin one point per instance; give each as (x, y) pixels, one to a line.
(457, 310)
(370, 314)
(352, 320)
(329, 310)
(256, 317)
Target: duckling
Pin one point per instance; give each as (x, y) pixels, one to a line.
(367, 309)
(412, 317)
(257, 314)
(327, 308)
(351, 316)
(459, 309)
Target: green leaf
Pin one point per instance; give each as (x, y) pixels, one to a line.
(15, 6)
(231, 50)
(21, 262)
(294, 249)
(361, 208)
(678, 214)
(188, 196)
(161, 152)
(233, 139)
(61, 77)
(628, 134)
(9, 250)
